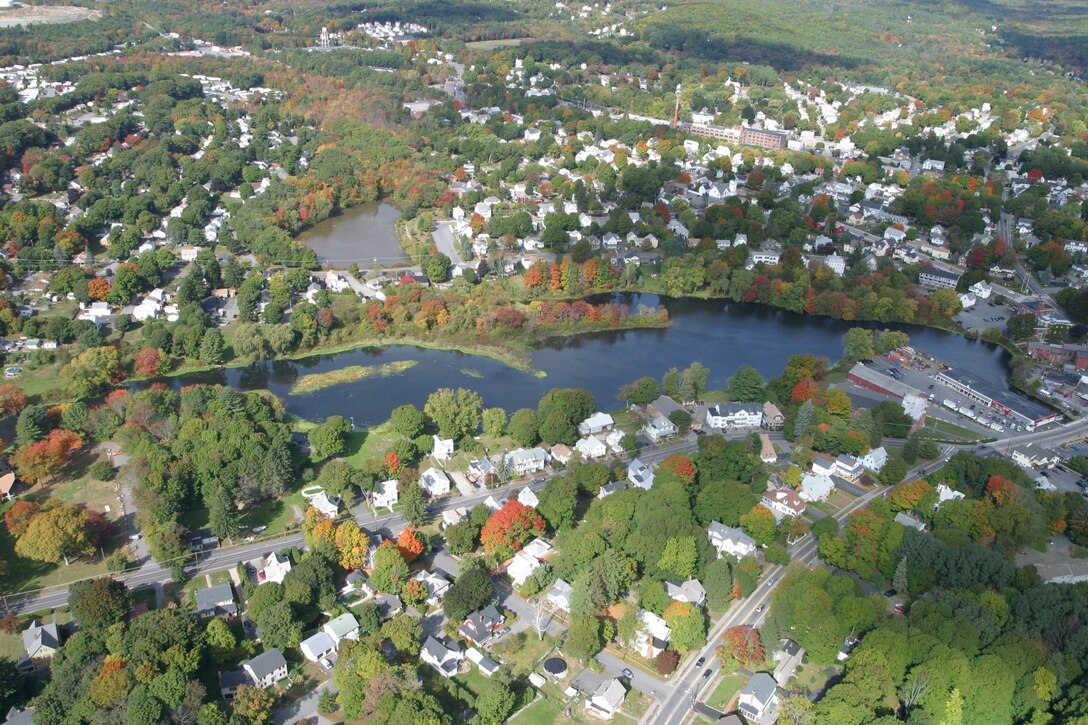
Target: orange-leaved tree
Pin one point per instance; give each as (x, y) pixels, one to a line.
(510, 528)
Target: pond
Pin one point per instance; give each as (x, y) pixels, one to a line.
(365, 234)
(722, 335)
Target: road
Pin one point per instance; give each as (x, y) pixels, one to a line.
(443, 239)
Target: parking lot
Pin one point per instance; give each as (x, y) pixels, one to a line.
(984, 315)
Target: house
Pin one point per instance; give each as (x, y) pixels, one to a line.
(16, 716)
(266, 669)
(274, 568)
(848, 467)
(435, 482)
(386, 496)
(318, 647)
(229, 682)
(343, 627)
(610, 488)
(389, 606)
(215, 601)
(1031, 457)
(454, 516)
(788, 659)
(758, 698)
(772, 417)
(436, 585)
(356, 581)
(659, 429)
(443, 448)
(823, 466)
(614, 440)
(783, 502)
(875, 459)
(729, 540)
(482, 472)
(767, 453)
(528, 497)
(909, 521)
(944, 493)
(664, 406)
(481, 626)
(595, 423)
(690, 591)
(559, 595)
(653, 635)
(561, 452)
(936, 278)
(734, 415)
(485, 664)
(328, 506)
(528, 560)
(445, 658)
(524, 461)
(607, 699)
(640, 475)
(591, 447)
(816, 487)
(40, 641)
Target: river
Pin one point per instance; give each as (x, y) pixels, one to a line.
(365, 234)
(722, 335)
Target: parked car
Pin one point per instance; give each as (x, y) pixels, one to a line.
(627, 673)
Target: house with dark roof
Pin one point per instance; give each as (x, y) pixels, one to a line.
(788, 659)
(40, 642)
(229, 682)
(266, 669)
(215, 601)
(445, 658)
(759, 697)
(481, 626)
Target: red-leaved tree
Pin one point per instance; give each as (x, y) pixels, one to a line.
(39, 461)
(148, 362)
(19, 515)
(510, 528)
(12, 399)
(409, 543)
(743, 645)
(681, 465)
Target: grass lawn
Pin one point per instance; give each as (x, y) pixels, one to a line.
(11, 646)
(812, 678)
(22, 574)
(839, 498)
(725, 691)
(635, 703)
(370, 442)
(522, 656)
(473, 681)
(486, 45)
(145, 595)
(942, 429)
(547, 712)
(277, 515)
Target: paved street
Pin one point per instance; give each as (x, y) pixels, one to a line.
(443, 239)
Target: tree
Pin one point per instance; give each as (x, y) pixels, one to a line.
(222, 511)
(461, 537)
(456, 413)
(760, 524)
(414, 593)
(148, 362)
(91, 372)
(319, 530)
(495, 702)
(414, 508)
(857, 344)
(679, 557)
(404, 633)
(39, 461)
(31, 425)
(390, 571)
(12, 399)
(98, 603)
(437, 267)
(510, 528)
(253, 705)
(211, 347)
(641, 392)
(55, 534)
(584, 638)
(407, 420)
(352, 545)
(742, 643)
(112, 683)
(330, 438)
(471, 591)
(220, 639)
(494, 422)
(523, 426)
(666, 661)
(899, 579)
(718, 582)
(557, 502)
(687, 624)
(409, 544)
(796, 710)
(166, 542)
(278, 626)
(746, 385)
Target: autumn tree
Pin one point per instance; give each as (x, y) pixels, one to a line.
(688, 626)
(318, 529)
(759, 523)
(148, 362)
(743, 646)
(253, 705)
(352, 545)
(390, 571)
(39, 461)
(20, 514)
(907, 495)
(510, 528)
(91, 372)
(12, 399)
(681, 466)
(55, 534)
(409, 544)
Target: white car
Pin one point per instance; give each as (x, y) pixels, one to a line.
(259, 529)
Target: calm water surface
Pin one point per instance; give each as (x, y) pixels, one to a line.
(722, 335)
(361, 234)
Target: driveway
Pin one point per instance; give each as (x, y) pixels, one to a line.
(443, 239)
(526, 614)
(645, 683)
(303, 708)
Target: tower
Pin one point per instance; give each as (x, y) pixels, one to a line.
(676, 110)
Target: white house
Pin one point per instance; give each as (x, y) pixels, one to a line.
(734, 415)
(446, 658)
(343, 627)
(659, 429)
(385, 497)
(614, 440)
(528, 560)
(266, 669)
(595, 423)
(640, 475)
(524, 461)
(273, 569)
(823, 466)
(875, 459)
(653, 636)
(758, 698)
(816, 487)
(435, 482)
(559, 595)
(944, 493)
(327, 506)
(528, 497)
(783, 502)
(317, 647)
(607, 699)
(436, 585)
(690, 591)
(848, 467)
(981, 289)
(591, 447)
(730, 540)
(443, 448)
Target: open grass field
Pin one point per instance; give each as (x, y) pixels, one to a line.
(487, 45)
(725, 691)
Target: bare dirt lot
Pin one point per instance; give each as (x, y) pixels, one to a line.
(53, 14)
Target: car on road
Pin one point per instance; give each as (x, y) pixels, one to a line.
(890, 593)
(700, 662)
(706, 674)
(699, 432)
(627, 673)
(539, 479)
(760, 608)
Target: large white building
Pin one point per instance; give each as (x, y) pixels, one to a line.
(734, 415)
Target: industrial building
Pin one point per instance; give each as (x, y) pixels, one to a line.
(1016, 408)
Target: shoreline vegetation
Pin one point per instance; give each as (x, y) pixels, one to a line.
(318, 381)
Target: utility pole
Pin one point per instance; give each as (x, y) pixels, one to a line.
(676, 109)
